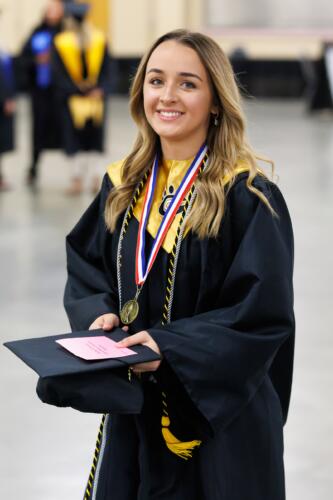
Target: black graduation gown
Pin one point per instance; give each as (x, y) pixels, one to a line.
(91, 137)
(227, 353)
(6, 121)
(45, 112)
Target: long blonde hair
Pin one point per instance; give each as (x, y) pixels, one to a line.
(226, 142)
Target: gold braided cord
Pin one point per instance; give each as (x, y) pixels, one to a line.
(134, 200)
(89, 487)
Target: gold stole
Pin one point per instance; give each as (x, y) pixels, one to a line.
(83, 108)
(171, 172)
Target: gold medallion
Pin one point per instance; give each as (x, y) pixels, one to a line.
(129, 311)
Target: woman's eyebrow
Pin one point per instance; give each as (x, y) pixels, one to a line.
(182, 73)
(193, 75)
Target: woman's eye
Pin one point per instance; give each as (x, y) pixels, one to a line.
(156, 81)
(188, 85)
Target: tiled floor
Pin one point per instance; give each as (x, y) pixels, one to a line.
(46, 452)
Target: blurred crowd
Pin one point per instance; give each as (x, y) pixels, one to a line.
(64, 67)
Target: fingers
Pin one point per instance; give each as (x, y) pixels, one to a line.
(140, 368)
(145, 367)
(107, 322)
(110, 321)
(96, 325)
(141, 338)
(137, 338)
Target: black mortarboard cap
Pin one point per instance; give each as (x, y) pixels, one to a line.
(77, 10)
(91, 386)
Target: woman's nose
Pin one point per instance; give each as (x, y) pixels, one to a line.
(168, 94)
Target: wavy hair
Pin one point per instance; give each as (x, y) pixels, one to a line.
(227, 144)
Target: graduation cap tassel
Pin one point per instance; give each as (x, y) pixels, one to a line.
(183, 449)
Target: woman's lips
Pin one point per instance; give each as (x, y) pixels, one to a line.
(169, 115)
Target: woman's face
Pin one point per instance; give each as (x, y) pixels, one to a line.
(177, 94)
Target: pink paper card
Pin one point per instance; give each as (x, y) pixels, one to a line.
(93, 348)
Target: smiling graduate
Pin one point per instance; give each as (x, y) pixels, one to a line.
(189, 246)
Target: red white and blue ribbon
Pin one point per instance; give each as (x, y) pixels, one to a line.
(141, 267)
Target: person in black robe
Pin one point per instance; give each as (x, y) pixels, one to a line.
(217, 306)
(321, 96)
(36, 78)
(7, 110)
(81, 73)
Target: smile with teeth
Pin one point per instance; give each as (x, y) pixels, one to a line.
(170, 115)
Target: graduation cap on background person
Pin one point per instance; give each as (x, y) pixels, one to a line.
(76, 10)
(97, 386)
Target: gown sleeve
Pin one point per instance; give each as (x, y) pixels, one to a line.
(104, 79)
(3, 90)
(90, 291)
(221, 356)
(7, 84)
(26, 66)
(63, 82)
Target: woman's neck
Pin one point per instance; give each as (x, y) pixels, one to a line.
(178, 151)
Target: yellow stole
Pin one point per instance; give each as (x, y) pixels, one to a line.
(170, 174)
(83, 108)
(68, 47)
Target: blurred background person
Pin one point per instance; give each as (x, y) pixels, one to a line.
(36, 77)
(7, 110)
(322, 82)
(81, 76)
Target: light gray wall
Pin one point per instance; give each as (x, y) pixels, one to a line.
(17, 18)
(270, 13)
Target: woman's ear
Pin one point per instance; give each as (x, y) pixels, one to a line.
(214, 110)
(215, 115)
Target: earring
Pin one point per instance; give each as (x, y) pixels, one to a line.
(216, 120)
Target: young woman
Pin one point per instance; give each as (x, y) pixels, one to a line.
(190, 246)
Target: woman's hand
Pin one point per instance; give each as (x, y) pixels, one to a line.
(145, 339)
(9, 107)
(96, 93)
(107, 322)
